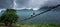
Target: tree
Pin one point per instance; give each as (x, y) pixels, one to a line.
(9, 17)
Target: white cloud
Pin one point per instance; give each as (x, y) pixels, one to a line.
(0, 10)
(37, 3)
(52, 2)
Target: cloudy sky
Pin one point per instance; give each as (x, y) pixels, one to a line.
(27, 3)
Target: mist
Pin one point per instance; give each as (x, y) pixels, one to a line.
(27, 3)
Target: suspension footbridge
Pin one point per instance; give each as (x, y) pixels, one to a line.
(50, 8)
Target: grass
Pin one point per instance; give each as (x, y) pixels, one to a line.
(34, 25)
(39, 25)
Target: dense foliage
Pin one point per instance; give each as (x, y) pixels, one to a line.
(9, 17)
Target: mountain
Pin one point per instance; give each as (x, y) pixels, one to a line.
(26, 10)
(51, 7)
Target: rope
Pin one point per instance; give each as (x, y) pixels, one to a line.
(50, 8)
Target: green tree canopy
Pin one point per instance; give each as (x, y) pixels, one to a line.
(9, 17)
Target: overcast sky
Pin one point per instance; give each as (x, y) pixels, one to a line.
(27, 3)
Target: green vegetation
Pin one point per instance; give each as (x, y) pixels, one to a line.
(39, 25)
(9, 17)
